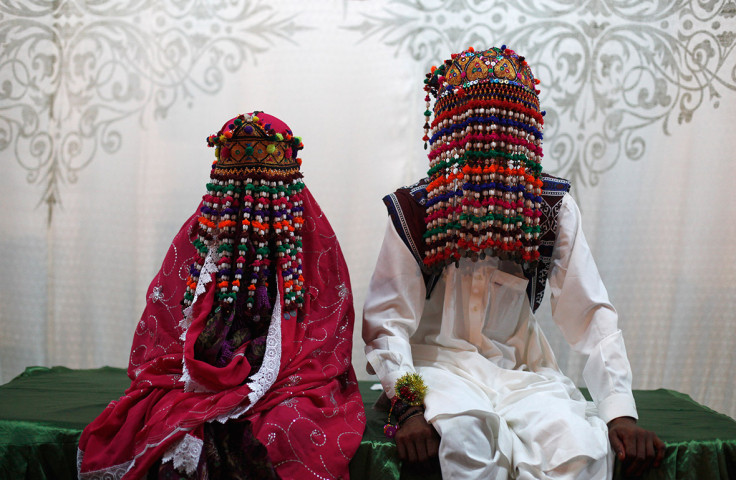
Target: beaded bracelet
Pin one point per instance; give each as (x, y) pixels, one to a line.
(412, 413)
(410, 390)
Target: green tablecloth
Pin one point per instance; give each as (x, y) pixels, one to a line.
(43, 411)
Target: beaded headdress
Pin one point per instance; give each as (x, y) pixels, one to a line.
(250, 218)
(483, 196)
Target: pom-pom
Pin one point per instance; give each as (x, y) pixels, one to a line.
(410, 388)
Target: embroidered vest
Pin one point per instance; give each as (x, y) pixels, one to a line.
(406, 206)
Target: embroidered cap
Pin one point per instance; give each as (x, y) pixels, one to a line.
(258, 141)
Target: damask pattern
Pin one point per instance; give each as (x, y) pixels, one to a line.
(71, 71)
(610, 69)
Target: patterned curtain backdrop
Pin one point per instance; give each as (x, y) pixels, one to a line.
(105, 106)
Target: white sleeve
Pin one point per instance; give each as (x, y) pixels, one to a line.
(581, 309)
(392, 310)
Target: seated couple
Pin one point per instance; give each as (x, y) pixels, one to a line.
(241, 362)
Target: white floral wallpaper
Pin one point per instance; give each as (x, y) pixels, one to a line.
(73, 70)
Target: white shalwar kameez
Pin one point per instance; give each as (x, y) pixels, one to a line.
(495, 394)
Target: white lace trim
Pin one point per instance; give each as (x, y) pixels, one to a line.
(205, 276)
(262, 380)
(114, 472)
(184, 454)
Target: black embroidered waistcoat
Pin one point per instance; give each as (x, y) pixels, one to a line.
(407, 207)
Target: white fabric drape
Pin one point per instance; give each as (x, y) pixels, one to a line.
(104, 110)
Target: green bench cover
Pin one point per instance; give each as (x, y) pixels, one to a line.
(43, 412)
